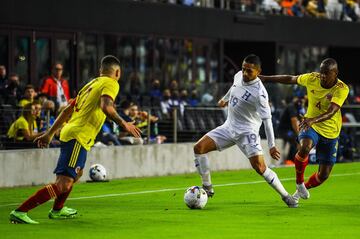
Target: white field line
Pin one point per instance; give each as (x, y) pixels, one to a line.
(178, 189)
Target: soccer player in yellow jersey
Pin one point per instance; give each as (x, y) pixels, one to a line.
(84, 117)
(321, 125)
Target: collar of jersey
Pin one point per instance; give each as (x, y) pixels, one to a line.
(251, 82)
(108, 77)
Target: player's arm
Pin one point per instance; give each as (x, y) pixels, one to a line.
(284, 79)
(30, 136)
(307, 122)
(224, 101)
(107, 106)
(44, 140)
(269, 131)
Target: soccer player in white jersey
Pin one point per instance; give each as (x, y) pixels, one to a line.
(248, 108)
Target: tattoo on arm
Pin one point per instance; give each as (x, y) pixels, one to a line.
(107, 106)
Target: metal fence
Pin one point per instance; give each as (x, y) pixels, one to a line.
(187, 124)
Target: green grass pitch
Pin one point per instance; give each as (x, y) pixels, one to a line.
(243, 207)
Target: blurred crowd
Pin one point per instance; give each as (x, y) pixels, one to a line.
(26, 111)
(347, 10)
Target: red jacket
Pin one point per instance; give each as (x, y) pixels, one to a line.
(49, 87)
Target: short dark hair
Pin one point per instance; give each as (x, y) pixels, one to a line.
(107, 63)
(29, 87)
(329, 62)
(125, 104)
(253, 59)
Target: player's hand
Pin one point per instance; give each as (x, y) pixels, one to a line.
(306, 123)
(132, 129)
(43, 141)
(222, 103)
(274, 152)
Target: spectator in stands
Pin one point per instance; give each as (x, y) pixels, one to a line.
(271, 6)
(246, 6)
(56, 87)
(3, 77)
(125, 110)
(142, 119)
(38, 120)
(289, 125)
(166, 103)
(351, 10)
(194, 99)
(155, 91)
(174, 86)
(133, 113)
(183, 101)
(47, 114)
(175, 98)
(334, 9)
(12, 91)
(316, 8)
(107, 135)
(23, 131)
(29, 95)
(155, 94)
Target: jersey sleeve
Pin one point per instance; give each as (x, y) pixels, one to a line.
(303, 79)
(22, 124)
(340, 94)
(110, 88)
(263, 107)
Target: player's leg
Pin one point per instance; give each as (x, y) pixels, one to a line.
(249, 143)
(216, 139)
(320, 176)
(61, 186)
(258, 163)
(72, 170)
(326, 152)
(43, 195)
(201, 148)
(308, 139)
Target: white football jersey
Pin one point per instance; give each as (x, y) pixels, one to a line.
(248, 105)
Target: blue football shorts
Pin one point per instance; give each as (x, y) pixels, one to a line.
(326, 149)
(71, 160)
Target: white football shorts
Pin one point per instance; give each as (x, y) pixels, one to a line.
(247, 141)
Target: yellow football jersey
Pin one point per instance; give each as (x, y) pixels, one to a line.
(20, 124)
(87, 118)
(319, 100)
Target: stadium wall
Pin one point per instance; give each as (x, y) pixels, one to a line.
(34, 167)
(131, 17)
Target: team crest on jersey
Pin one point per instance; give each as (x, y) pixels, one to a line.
(312, 91)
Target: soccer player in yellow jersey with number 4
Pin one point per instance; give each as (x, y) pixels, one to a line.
(84, 117)
(320, 128)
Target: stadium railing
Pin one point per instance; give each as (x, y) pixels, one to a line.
(191, 123)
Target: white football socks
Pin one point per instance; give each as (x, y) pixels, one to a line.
(203, 167)
(272, 178)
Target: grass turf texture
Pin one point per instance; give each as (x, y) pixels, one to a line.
(237, 211)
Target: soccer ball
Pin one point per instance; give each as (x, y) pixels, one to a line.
(195, 197)
(97, 172)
